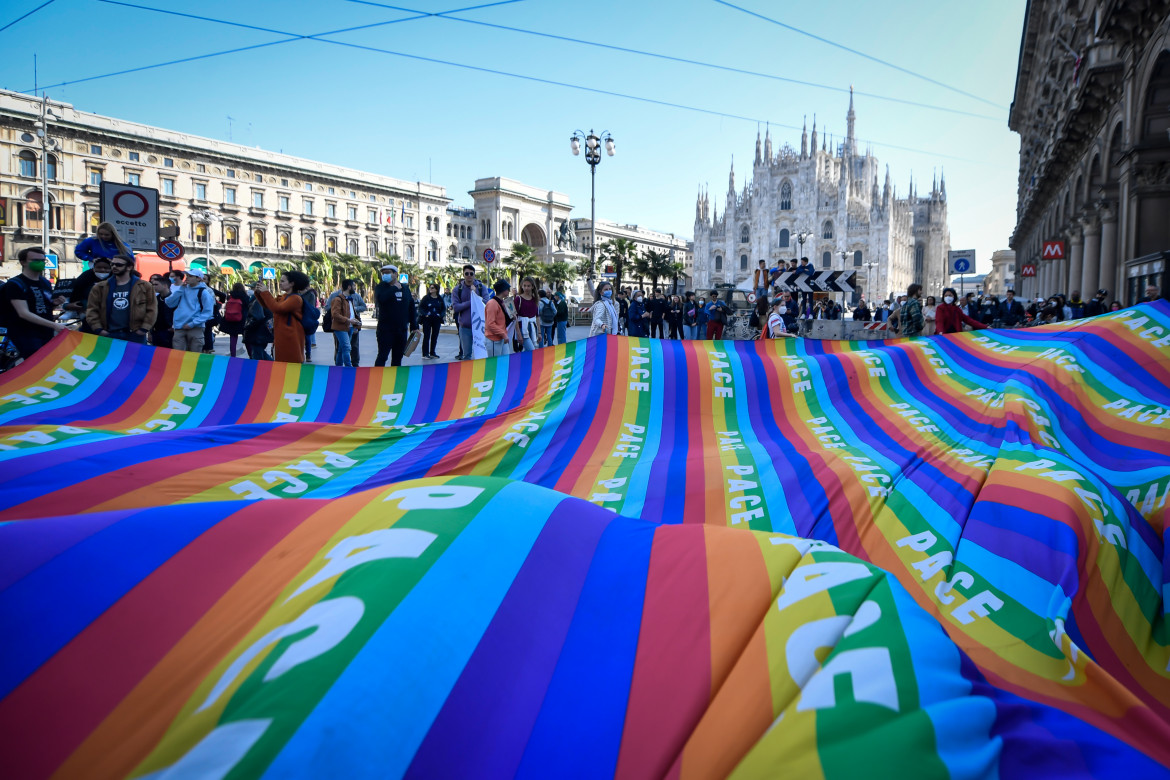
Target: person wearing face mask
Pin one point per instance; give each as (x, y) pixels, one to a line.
(162, 334)
(396, 313)
(26, 304)
(194, 305)
(79, 295)
(123, 306)
(636, 326)
(949, 316)
(604, 311)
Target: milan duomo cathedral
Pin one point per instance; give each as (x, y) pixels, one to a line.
(833, 198)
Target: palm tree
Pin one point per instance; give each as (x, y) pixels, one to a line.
(621, 251)
(675, 270)
(641, 268)
(658, 265)
(523, 261)
(559, 272)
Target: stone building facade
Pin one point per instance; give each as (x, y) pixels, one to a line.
(678, 248)
(234, 206)
(832, 197)
(1092, 108)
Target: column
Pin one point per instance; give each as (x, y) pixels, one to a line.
(1044, 277)
(1075, 261)
(1092, 270)
(1108, 275)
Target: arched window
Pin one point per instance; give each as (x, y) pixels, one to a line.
(428, 223)
(452, 251)
(52, 168)
(410, 253)
(826, 259)
(827, 229)
(351, 246)
(95, 219)
(28, 164)
(857, 259)
(449, 226)
(432, 251)
(786, 196)
(310, 242)
(231, 235)
(785, 238)
(718, 263)
(919, 256)
(371, 248)
(200, 232)
(466, 253)
(258, 237)
(283, 241)
(744, 235)
(743, 262)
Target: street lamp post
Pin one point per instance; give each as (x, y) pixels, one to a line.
(801, 237)
(206, 217)
(42, 129)
(593, 143)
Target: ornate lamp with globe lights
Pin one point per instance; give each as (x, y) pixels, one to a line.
(593, 143)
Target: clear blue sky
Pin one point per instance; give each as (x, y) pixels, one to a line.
(416, 119)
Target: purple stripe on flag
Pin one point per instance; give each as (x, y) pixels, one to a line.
(485, 723)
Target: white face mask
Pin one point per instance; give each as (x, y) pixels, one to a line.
(949, 299)
(100, 275)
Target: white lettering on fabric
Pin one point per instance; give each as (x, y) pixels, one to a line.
(435, 496)
(738, 483)
(799, 374)
(629, 445)
(250, 490)
(980, 604)
(391, 400)
(872, 360)
(826, 434)
(518, 435)
(722, 379)
(477, 404)
(610, 485)
(560, 377)
(916, 418)
(640, 375)
(939, 365)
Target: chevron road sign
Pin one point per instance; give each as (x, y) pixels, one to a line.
(846, 283)
(802, 283)
(820, 281)
(787, 281)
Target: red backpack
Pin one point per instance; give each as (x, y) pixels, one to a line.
(233, 310)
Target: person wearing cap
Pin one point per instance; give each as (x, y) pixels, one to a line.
(396, 314)
(194, 305)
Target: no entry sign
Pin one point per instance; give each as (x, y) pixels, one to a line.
(133, 211)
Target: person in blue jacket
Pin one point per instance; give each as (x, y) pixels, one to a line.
(637, 323)
(106, 243)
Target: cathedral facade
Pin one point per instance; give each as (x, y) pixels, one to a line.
(830, 197)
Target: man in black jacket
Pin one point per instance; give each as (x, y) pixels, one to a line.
(1011, 311)
(396, 314)
(1097, 305)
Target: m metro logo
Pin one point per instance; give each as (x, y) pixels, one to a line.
(1053, 250)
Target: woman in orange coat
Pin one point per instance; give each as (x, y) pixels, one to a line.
(288, 334)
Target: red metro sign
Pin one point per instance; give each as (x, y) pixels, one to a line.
(1053, 250)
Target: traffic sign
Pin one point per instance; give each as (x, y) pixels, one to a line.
(170, 250)
(489, 255)
(50, 262)
(267, 273)
(134, 212)
(1053, 250)
(962, 261)
(751, 297)
(1028, 270)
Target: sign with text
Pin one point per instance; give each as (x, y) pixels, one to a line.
(961, 261)
(1053, 250)
(133, 211)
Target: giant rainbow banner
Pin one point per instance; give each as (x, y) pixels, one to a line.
(619, 557)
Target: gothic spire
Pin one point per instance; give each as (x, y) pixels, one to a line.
(942, 185)
(850, 142)
(758, 146)
(731, 178)
(768, 144)
(814, 135)
(804, 139)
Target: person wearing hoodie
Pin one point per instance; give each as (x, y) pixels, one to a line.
(194, 304)
(1076, 304)
(638, 316)
(79, 294)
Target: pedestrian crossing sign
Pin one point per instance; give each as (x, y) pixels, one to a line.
(267, 273)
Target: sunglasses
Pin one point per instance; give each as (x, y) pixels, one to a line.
(469, 273)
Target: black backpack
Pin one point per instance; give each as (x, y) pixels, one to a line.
(548, 312)
(310, 316)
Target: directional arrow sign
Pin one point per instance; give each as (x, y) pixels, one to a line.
(819, 281)
(802, 283)
(847, 284)
(786, 281)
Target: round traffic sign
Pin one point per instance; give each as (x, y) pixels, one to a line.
(962, 265)
(130, 204)
(751, 297)
(489, 255)
(170, 250)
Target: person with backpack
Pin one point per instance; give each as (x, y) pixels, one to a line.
(910, 316)
(498, 319)
(562, 320)
(194, 305)
(547, 311)
(432, 311)
(231, 321)
(257, 330)
(396, 314)
(289, 312)
(343, 322)
(27, 303)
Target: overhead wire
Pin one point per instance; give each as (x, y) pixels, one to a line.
(684, 60)
(476, 68)
(851, 50)
(27, 15)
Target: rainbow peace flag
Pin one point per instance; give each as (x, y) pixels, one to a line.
(619, 557)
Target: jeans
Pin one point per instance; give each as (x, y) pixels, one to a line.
(465, 342)
(342, 354)
(353, 348)
(126, 335)
(690, 332)
(498, 348)
(562, 337)
(546, 335)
